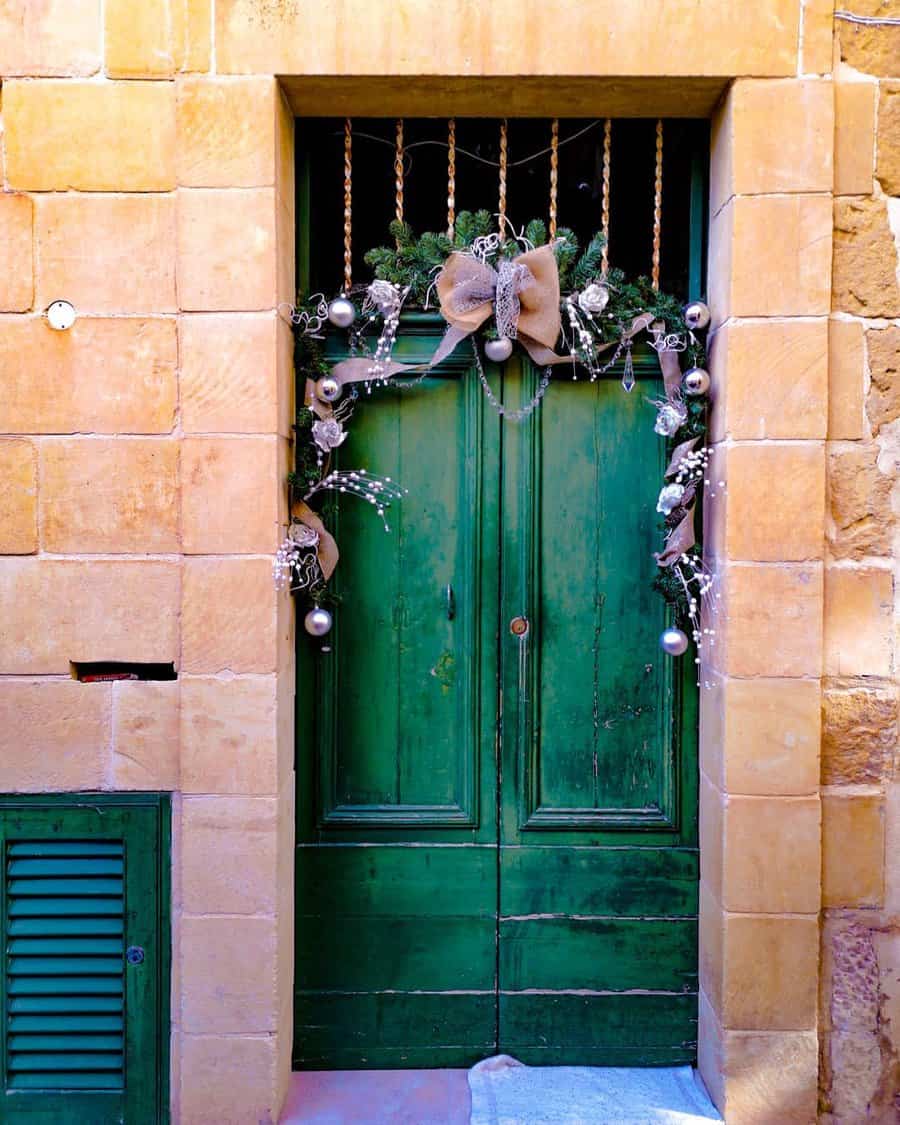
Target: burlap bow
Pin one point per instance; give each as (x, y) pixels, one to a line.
(522, 293)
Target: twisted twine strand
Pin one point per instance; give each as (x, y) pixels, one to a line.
(398, 173)
(554, 173)
(501, 206)
(604, 213)
(451, 177)
(657, 204)
(348, 205)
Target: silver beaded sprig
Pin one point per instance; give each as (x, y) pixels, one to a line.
(700, 589)
(378, 491)
(295, 566)
(522, 412)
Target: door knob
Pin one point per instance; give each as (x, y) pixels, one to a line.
(134, 955)
(518, 626)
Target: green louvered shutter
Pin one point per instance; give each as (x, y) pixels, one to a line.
(65, 965)
(83, 1028)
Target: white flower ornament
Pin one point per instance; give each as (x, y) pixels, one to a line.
(328, 434)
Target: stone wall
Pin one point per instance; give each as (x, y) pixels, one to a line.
(146, 164)
(860, 980)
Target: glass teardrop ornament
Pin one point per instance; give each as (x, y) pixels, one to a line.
(628, 379)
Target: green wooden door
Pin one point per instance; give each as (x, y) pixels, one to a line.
(85, 982)
(497, 835)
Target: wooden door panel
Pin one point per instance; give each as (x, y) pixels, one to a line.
(598, 858)
(396, 940)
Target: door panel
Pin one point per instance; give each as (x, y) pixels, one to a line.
(397, 871)
(430, 933)
(598, 863)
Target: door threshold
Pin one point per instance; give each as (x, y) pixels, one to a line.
(378, 1097)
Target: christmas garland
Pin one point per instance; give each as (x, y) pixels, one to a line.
(551, 297)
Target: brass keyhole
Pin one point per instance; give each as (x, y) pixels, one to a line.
(518, 626)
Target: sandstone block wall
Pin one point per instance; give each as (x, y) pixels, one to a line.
(146, 176)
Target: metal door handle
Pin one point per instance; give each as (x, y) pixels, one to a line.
(451, 602)
(134, 955)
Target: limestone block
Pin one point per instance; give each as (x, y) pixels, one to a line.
(774, 616)
(228, 856)
(227, 132)
(865, 259)
(231, 492)
(56, 734)
(61, 610)
(228, 968)
(789, 358)
(226, 249)
(859, 734)
(792, 277)
(772, 136)
(891, 852)
(230, 373)
(854, 137)
(106, 253)
(712, 947)
(883, 401)
(712, 837)
(859, 495)
(871, 49)
(18, 498)
(888, 162)
(817, 38)
(109, 375)
(687, 39)
(16, 253)
(772, 972)
(229, 616)
(88, 136)
(229, 736)
(44, 37)
(859, 606)
(846, 380)
(107, 495)
(852, 848)
(772, 1073)
(761, 736)
(156, 38)
(771, 855)
(145, 735)
(205, 1099)
(775, 501)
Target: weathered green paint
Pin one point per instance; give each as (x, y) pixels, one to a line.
(84, 1034)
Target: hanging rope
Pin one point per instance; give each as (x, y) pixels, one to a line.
(398, 173)
(503, 159)
(657, 204)
(604, 212)
(348, 205)
(451, 177)
(554, 174)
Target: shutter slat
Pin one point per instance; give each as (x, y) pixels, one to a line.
(62, 1042)
(65, 965)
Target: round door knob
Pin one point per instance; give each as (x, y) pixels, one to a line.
(518, 626)
(134, 955)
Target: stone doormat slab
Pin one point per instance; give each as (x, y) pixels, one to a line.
(506, 1092)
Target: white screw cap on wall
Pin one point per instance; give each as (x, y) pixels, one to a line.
(61, 315)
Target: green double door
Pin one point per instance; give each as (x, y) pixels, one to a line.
(496, 846)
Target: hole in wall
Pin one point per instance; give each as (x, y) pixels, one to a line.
(103, 671)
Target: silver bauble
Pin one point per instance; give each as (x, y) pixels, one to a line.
(696, 381)
(696, 315)
(498, 350)
(328, 389)
(673, 641)
(341, 312)
(318, 622)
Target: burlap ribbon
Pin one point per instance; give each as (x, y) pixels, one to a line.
(683, 536)
(326, 550)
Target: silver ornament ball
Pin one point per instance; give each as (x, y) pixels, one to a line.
(696, 381)
(328, 389)
(673, 641)
(498, 350)
(696, 315)
(341, 312)
(318, 622)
